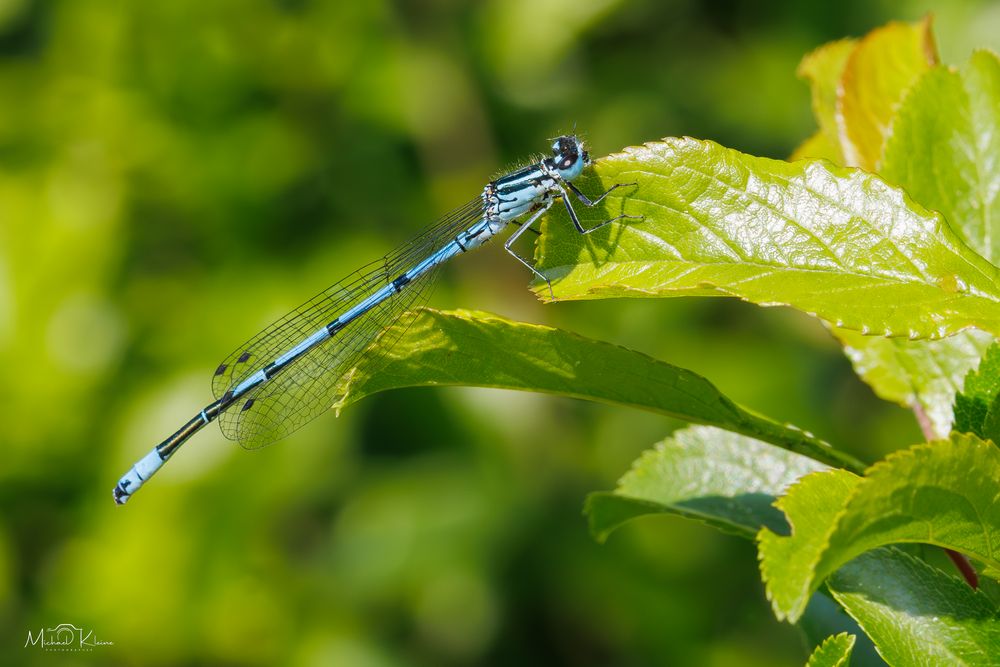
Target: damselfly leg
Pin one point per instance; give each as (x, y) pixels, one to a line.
(587, 201)
(564, 195)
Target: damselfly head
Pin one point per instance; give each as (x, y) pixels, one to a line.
(568, 157)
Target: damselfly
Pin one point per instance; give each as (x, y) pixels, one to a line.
(290, 372)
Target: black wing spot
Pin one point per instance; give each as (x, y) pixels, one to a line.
(243, 357)
(221, 369)
(247, 405)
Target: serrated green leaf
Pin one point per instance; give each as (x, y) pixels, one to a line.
(945, 151)
(822, 69)
(838, 243)
(976, 407)
(834, 652)
(915, 613)
(726, 480)
(482, 350)
(943, 493)
(876, 76)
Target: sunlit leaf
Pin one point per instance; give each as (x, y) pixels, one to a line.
(943, 493)
(915, 613)
(483, 350)
(834, 652)
(923, 375)
(876, 76)
(945, 151)
(838, 243)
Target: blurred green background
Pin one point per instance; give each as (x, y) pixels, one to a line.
(174, 175)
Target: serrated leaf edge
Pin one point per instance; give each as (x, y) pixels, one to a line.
(767, 534)
(845, 660)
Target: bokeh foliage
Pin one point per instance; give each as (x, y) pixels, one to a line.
(173, 175)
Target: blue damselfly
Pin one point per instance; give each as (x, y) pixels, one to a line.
(289, 373)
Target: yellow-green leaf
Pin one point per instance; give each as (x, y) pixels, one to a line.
(876, 76)
(838, 243)
(944, 150)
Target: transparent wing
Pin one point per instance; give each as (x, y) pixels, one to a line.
(286, 331)
(308, 386)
